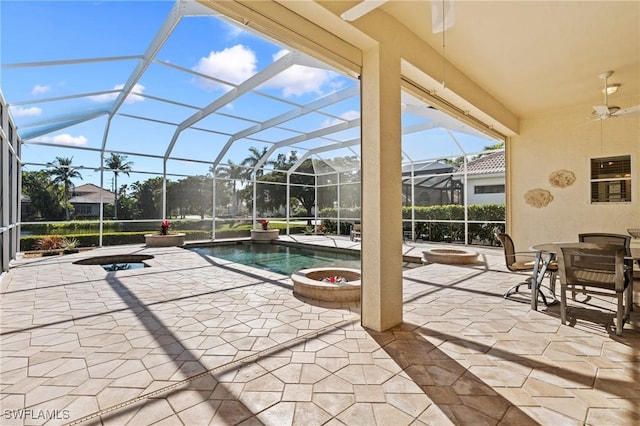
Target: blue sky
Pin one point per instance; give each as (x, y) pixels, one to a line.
(200, 46)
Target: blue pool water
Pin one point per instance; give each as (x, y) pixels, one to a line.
(280, 258)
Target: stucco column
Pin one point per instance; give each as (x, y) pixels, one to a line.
(381, 190)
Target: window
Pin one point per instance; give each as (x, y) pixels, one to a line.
(488, 189)
(611, 179)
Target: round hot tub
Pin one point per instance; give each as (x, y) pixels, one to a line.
(450, 256)
(330, 284)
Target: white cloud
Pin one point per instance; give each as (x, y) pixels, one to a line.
(65, 139)
(39, 90)
(298, 80)
(131, 99)
(18, 111)
(348, 116)
(234, 64)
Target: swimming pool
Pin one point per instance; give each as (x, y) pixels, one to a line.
(281, 258)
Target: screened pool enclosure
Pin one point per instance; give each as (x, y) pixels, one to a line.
(190, 117)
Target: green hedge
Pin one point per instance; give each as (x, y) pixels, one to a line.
(120, 238)
(109, 238)
(435, 231)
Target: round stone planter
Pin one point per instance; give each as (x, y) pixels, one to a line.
(159, 240)
(309, 283)
(450, 256)
(264, 234)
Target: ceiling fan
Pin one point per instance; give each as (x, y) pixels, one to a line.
(603, 112)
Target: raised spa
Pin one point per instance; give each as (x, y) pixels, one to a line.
(450, 256)
(327, 284)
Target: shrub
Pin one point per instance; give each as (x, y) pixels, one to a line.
(48, 242)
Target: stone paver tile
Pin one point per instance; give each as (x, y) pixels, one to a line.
(332, 364)
(226, 391)
(517, 396)
(200, 414)
(360, 358)
(353, 374)
(312, 373)
(110, 396)
(592, 398)
(74, 378)
(498, 376)
(91, 387)
(267, 382)
(333, 384)
(604, 416)
(297, 392)
(358, 414)
(333, 403)
(569, 375)
(369, 393)
(289, 373)
(188, 369)
(412, 404)
(492, 406)
(386, 414)
(279, 414)
(256, 402)
(104, 369)
(182, 399)
(303, 357)
(43, 394)
(570, 406)
(141, 379)
(545, 416)
(82, 406)
(309, 414)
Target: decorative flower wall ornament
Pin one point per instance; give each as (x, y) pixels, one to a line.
(538, 198)
(562, 178)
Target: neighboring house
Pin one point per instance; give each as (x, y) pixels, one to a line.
(86, 200)
(485, 179)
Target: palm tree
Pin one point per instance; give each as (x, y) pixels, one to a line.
(63, 173)
(255, 155)
(117, 163)
(233, 172)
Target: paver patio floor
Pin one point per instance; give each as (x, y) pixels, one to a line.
(196, 340)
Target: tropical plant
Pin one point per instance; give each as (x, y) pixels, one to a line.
(117, 164)
(48, 243)
(70, 244)
(62, 174)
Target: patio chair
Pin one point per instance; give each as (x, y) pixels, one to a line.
(356, 232)
(597, 269)
(620, 240)
(524, 262)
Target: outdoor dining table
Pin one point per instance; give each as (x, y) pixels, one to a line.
(545, 254)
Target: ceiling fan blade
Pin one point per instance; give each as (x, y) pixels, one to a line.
(627, 110)
(601, 110)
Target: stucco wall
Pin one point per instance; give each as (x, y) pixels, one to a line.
(473, 198)
(566, 141)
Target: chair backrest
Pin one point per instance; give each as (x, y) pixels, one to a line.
(620, 240)
(509, 249)
(604, 238)
(357, 227)
(592, 265)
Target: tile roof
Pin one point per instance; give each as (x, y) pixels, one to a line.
(489, 163)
